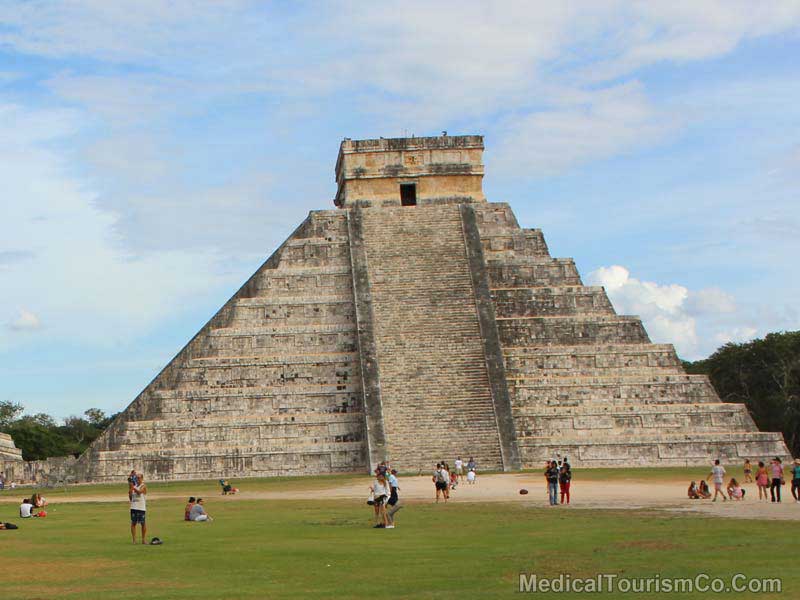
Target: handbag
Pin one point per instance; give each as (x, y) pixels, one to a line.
(371, 498)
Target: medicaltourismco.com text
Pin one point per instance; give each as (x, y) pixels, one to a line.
(603, 583)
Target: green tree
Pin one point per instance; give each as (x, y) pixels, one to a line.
(9, 411)
(764, 374)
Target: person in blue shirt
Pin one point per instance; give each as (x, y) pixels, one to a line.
(394, 501)
(796, 480)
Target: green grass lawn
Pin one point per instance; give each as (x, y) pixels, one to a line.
(323, 549)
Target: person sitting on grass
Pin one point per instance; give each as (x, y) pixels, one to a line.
(693, 492)
(703, 490)
(198, 512)
(7, 526)
(38, 501)
(735, 490)
(188, 510)
(227, 488)
(25, 509)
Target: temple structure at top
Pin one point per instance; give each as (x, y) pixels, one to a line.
(414, 323)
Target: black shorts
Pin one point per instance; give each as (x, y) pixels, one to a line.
(441, 485)
(379, 500)
(137, 517)
(393, 499)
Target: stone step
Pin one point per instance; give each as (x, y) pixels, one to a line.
(666, 450)
(550, 301)
(571, 330)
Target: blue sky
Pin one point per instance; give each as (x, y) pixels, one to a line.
(153, 154)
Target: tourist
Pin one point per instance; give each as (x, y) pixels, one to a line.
(551, 475)
(748, 471)
(471, 476)
(735, 490)
(25, 509)
(393, 503)
(762, 481)
(198, 512)
(776, 470)
(564, 480)
(440, 479)
(796, 480)
(2, 481)
(9, 526)
(718, 473)
(188, 509)
(453, 481)
(705, 493)
(693, 492)
(227, 488)
(471, 466)
(380, 494)
(133, 481)
(459, 465)
(38, 501)
(138, 495)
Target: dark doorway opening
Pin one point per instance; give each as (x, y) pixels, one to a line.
(408, 194)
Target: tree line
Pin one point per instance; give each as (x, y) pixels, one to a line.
(764, 375)
(40, 436)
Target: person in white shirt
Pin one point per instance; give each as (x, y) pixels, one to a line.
(25, 509)
(137, 494)
(459, 464)
(471, 476)
(380, 494)
(718, 473)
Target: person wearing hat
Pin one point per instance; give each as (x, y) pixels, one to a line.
(796, 480)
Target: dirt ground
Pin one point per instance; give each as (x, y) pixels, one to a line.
(618, 495)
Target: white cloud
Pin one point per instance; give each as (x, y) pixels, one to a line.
(589, 126)
(25, 321)
(696, 322)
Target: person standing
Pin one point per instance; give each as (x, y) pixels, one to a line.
(471, 466)
(718, 473)
(776, 470)
(380, 494)
(762, 481)
(796, 480)
(564, 481)
(138, 498)
(748, 471)
(393, 503)
(440, 480)
(551, 475)
(459, 465)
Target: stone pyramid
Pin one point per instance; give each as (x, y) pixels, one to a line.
(418, 322)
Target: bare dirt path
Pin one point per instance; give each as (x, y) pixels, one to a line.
(667, 495)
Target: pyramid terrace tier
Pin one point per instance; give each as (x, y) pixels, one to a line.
(584, 329)
(278, 400)
(687, 449)
(551, 301)
(232, 463)
(591, 360)
(634, 390)
(617, 421)
(545, 272)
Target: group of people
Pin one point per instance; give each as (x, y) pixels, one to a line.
(384, 496)
(766, 479)
(29, 507)
(196, 511)
(445, 480)
(558, 474)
